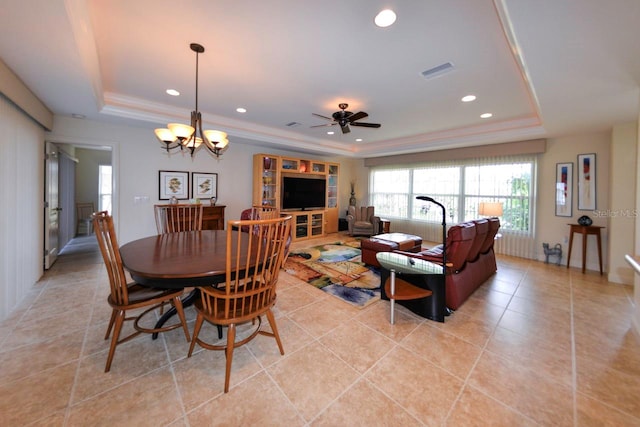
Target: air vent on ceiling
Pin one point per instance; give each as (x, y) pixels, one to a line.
(293, 124)
(438, 70)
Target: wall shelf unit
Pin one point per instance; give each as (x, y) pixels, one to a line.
(268, 171)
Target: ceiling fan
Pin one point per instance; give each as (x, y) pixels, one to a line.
(345, 118)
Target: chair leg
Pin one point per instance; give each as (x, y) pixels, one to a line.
(119, 321)
(196, 332)
(392, 318)
(113, 318)
(177, 303)
(272, 322)
(231, 339)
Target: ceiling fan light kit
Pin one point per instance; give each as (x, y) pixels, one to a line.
(191, 137)
(345, 118)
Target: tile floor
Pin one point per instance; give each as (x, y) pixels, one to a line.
(536, 345)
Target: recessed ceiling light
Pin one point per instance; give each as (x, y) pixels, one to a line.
(330, 132)
(358, 139)
(173, 92)
(486, 115)
(385, 18)
(468, 98)
(241, 110)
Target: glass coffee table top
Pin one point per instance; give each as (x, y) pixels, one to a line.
(407, 265)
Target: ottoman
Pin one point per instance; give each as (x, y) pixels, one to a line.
(387, 243)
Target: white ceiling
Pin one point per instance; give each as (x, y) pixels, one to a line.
(544, 68)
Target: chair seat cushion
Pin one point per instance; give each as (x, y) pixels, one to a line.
(139, 293)
(362, 224)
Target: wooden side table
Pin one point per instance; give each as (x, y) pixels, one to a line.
(385, 225)
(585, 230)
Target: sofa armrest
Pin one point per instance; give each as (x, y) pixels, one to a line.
(375, 220)
(350, 220)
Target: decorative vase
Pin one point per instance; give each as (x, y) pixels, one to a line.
(267, 163)
(352, 199)
(212, 201)
(173, 200)
(585, 220)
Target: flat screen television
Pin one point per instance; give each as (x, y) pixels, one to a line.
(303, 193)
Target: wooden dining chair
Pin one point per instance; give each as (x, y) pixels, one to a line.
(180, 217)
(129, 296)
(250, 288)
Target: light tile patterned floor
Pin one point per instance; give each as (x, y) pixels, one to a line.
(536, 345)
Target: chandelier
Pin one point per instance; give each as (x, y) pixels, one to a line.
(178, 135)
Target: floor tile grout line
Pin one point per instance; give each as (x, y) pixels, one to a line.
(483, 349)
(574, 367)
(67, 414)
(173, 376)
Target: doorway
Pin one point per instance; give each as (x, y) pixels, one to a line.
(81, 179)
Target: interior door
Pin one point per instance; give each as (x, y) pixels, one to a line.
(51, 206)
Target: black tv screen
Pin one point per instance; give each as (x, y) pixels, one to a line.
(303, 193)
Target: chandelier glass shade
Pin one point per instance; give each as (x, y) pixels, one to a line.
(191, 136)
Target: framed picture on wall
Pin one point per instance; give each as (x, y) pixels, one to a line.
(173, 184)
(586, 182)
(204, 185)
(564, 189)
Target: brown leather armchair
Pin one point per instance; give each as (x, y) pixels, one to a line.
(362, 221)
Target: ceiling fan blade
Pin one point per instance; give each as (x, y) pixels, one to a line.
(357, 116)
(321, 126)
(324, 117)
(345, 128)
(367, 125)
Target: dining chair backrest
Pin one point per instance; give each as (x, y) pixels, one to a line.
(258, 212)
(108, 243)
(180, 217)
(249, 288)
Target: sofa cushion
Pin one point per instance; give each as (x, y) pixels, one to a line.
(459, 240)
(482, 227)
(494, 225)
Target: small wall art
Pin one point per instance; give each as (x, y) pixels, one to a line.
(564, 189)
(173, 184)
(204, 185)
(586, 182)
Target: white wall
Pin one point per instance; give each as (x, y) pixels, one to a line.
(137, 158)
(622, 196)
(636, 295)
(555, 229)
(22, 196)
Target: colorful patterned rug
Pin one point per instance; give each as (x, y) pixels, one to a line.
(337, 269)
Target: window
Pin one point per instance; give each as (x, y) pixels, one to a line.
(460, 186)
(104, 188)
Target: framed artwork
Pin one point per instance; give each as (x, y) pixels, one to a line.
(204, 185)
(173, 184)
(564, 189)
(586, 182)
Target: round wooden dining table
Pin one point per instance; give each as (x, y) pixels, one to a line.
(179, 260)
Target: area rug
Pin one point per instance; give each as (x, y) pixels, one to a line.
(336, 268)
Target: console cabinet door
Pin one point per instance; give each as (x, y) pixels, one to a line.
(213, 217)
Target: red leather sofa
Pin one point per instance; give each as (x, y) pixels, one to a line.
(470, 258)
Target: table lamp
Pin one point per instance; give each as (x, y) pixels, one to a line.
(490, 209)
